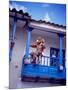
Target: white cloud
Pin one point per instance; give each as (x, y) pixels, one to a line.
(47, 17)
(17, 7)
(10, 6)
(45, 5)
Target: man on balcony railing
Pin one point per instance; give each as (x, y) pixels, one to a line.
(39, 45)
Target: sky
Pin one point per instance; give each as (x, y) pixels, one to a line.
(54, 13)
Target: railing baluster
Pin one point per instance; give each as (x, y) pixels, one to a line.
(30, 59)
(41, 60)
(44, 61)
(47, 61)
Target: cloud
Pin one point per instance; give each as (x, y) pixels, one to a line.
(47, 17)
(17, 7)
(45, 5)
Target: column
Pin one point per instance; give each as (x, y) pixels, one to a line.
(60, 51)
(28, 40)
(10, 51)
(13, 37)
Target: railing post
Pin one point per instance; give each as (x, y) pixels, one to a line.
(28, 40)
(60, 51)
(13, 37)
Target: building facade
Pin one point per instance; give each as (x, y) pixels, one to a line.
(24, 31)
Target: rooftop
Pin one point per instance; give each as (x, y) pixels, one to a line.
(20, 15)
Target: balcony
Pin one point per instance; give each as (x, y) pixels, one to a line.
(42, 68)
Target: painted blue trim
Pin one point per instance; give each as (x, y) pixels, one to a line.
(60, 51)
(43, 71)
(28, 40)
(13, 37)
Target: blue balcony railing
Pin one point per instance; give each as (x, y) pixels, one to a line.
(42, 60)
(42, 68)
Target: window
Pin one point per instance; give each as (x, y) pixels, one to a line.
(54, 54)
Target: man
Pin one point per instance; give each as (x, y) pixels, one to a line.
(40, 46)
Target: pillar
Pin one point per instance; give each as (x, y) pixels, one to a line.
(13, 37)
(60, 51)
(28, 40)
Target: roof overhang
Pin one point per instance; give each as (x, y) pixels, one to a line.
(48, 28)
(41, 25)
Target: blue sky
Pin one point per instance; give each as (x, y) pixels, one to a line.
(55, 13)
